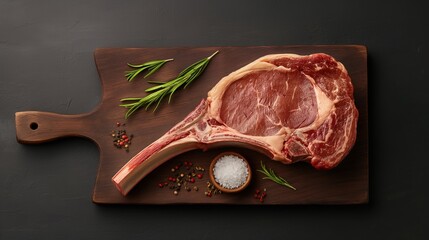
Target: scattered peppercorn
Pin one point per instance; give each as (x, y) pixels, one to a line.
(260, 195)
(211, 190)
(182, 179)
(120, 138)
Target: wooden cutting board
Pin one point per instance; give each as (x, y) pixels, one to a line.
(346, 184)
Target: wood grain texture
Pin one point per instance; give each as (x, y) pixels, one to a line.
(346, 184)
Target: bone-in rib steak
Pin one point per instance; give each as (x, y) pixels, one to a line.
(290, 107)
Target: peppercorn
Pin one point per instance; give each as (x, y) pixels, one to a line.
(182, 179)
(121, 139)
(260, 195)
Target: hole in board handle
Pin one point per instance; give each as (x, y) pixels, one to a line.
(34, 125)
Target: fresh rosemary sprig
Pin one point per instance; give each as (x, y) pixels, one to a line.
(151, 66)
(271, 175)
(157, 93)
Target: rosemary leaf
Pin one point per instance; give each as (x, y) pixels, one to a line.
(156, 82)
(162, 89)
(151, 67)
(271, 175)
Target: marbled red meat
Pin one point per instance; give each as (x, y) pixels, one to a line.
(290, 107)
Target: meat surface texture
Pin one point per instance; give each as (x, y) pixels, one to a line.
(290, 107)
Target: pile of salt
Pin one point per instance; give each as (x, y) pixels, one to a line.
(230, 171)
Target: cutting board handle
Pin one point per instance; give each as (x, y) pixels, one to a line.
(37, 127)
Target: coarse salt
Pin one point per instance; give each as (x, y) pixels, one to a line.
(230, 171)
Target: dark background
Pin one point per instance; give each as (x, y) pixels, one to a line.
(46, 64)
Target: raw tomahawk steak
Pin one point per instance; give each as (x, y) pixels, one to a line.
(290, 107)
